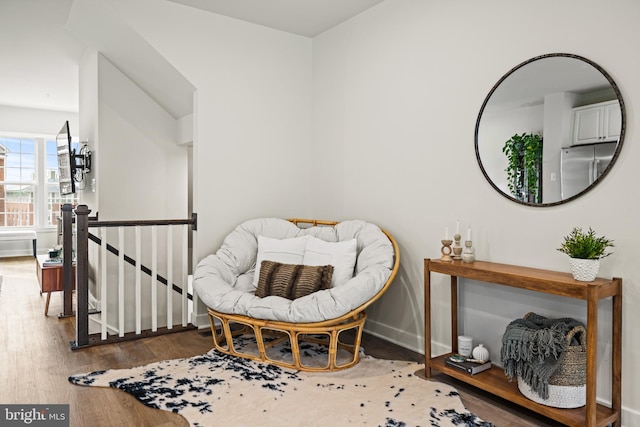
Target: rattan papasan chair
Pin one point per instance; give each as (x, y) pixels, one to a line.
(297, 280)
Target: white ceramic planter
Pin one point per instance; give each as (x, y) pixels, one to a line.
(584, 270)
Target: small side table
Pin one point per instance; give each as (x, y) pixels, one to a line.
(50, 278)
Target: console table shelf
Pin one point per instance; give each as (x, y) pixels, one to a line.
(550, 282)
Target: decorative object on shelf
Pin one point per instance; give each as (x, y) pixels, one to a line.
(55, 252)
(470, 366)
(446, 250)
(457, 249)
(585, 250)
(557, 380)
(465, 345)
(567, 386)
(457, 358)
(467, 253)
(480, 352)
(584, 270)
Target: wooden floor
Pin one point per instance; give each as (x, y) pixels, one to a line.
(36, 361)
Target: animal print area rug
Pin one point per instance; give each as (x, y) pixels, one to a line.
(220, 390)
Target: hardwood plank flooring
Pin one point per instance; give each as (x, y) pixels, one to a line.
(36, 361)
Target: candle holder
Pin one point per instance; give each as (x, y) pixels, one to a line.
(446, 250)
(457, 249)
(467, 254)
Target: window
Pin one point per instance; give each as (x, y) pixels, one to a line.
(29, 193)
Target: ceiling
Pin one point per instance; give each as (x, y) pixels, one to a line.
(304, 17)
(41, 55)
(529, 83)
(39, 67)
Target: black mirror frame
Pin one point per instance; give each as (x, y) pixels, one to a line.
(607, 169)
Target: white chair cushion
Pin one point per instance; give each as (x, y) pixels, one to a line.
(286, 251)
(224, 280)
(341, 255)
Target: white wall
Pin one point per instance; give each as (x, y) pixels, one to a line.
(142, 172)
(251, 117)
(89, 127)
(36, 122)
(396, 93)
(375, 119)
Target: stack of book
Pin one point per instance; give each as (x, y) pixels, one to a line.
(467, 366)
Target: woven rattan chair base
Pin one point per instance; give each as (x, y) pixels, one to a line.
(339, 334)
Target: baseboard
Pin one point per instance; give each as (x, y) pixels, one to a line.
(16, 253)
(395, 336)
(403, 338)
(200, 320)
(630, 417)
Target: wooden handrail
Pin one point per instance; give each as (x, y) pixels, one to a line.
(131, 223)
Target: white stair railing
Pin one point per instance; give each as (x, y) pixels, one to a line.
(137, 296)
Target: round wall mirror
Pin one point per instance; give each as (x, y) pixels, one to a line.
(550, 129)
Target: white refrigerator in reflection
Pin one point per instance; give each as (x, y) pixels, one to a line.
(581, 165)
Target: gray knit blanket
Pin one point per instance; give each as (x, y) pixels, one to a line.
(534, 347)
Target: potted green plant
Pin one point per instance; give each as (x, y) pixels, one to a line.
(524, 156)
(585, 250)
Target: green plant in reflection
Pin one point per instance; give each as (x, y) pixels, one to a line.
(524, 171)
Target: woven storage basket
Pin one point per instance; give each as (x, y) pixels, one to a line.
(567, 386)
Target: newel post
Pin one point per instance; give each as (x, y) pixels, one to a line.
(67, 260)
(82, 275)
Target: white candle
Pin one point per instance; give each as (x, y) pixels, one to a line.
(457, 227)
(446, 233)
(469, 233)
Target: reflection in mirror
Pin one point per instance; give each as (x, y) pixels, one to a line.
(550, 129)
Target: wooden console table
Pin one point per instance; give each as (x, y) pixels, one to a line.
(550, 282)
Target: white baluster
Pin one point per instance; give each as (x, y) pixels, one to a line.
(184, 276)
(121, 281)
(103, 284)
(170, 277)
(138, 285)
(154, 278)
